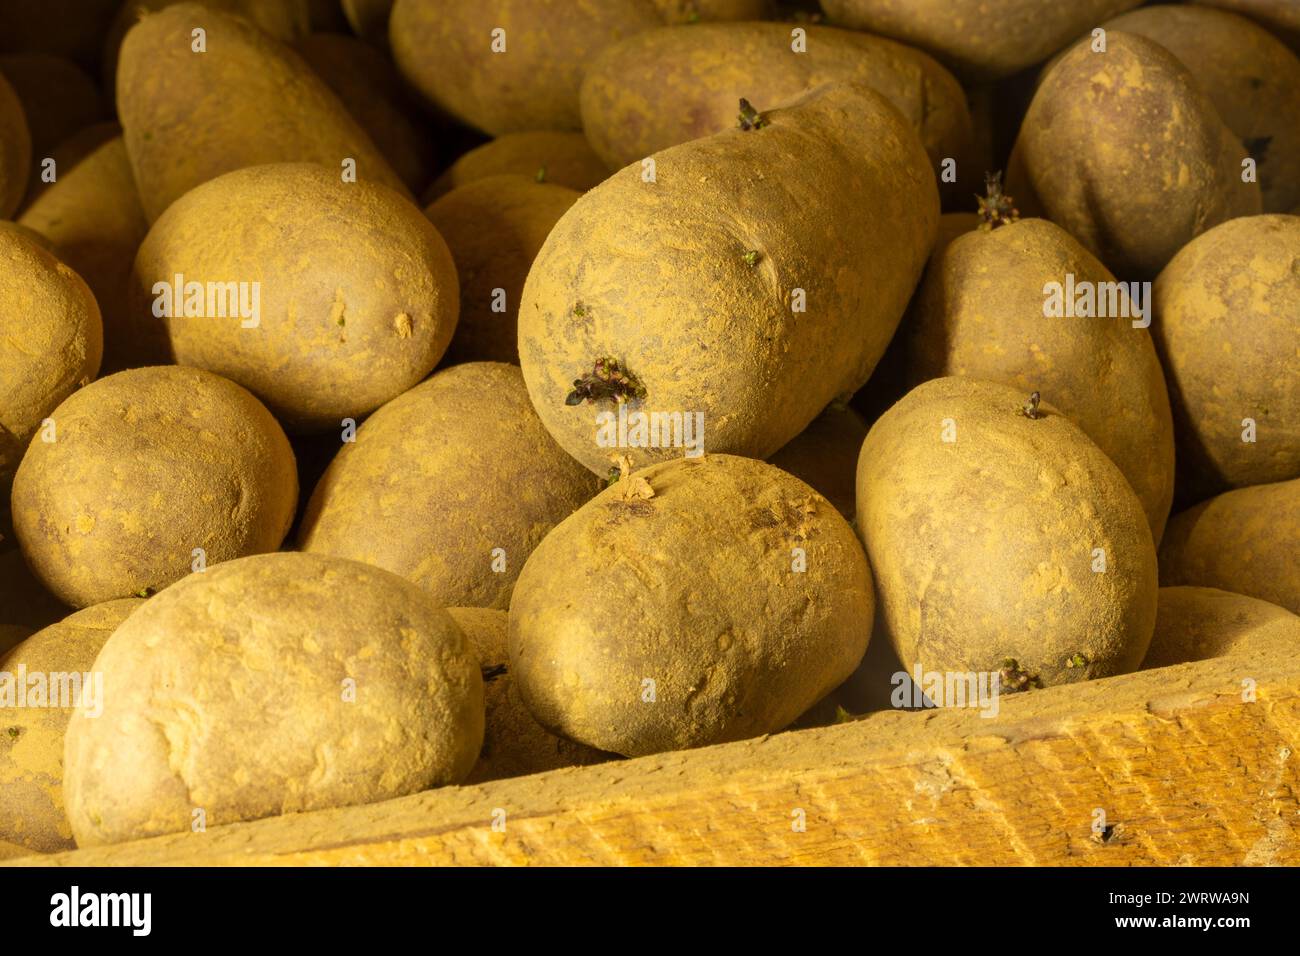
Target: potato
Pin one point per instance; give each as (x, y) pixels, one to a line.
(273, 684)
(15, 150)
(451, 485)
(356, 293)
(980, 314)
(59, 662)
(1279, 17)
(551, 156)
(27, 233)
(1196, 624)
(979, 38)
(1227, 310)
(1003, 544)
(1088, 158)
(58, 97)
(739, 285)
(93, 219)
(149, 467)
(494, 228)
(514, 743)
(367, 83)
(825, 456)
(271, 109)
(527, 77)
(1251, 77)
(1242, 541)
(53, 342)
(68, 154)
(694, 602)
(663, 87)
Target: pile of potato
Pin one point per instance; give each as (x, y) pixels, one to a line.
(401, 394)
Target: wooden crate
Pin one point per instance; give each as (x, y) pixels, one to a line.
(1187, 769)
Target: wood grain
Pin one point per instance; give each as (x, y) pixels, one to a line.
(1186, 771)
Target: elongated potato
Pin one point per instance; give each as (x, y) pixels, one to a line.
(694, 602)
(516, 65)
(550, 156)
(450, 485)
(31, 748)
(1251, 77)
(1196, 624)
(514, 743)
(15, 150)
(154, 471)
(494, 228)
(1228, 328)
(979, 38)
(1002, 544)
(663, 87)
(271, 109)
(738, 285)
(53, 340)
(273, 684)
(1124, 151)
(980, 314)
(93, 219)
(355, 297)
(1242, 541)
(825, 456)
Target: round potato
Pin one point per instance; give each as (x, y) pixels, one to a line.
(662, 87)
(1088, 159)
(59, 663)
(451, 485)
(548, 156)
(494, 228)
(738, 285)
(980, 313)
(323, 298)
(514, 743)
(153, 472)
(1003, 544)
(1196, 624)
(15, 150)
(53, 342)
(273, 684)
(979, 38)
(93, 219)
(516, 65)
(1227, 324)
(694, 602)
(825, 456)
(1243, 541)
(272, 108)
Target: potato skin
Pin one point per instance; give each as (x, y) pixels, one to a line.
(1126, 153)
(663, 87)
(93, 219)
(514, 743)
(231, 695)
(358, 290)
(31, 760)
(1227, 323)
(494, 228)
(559, 157)
(979, 314)
(247, 101)
(1250, 76)
(1242, 541)
(15, 150)
(983, 547)
(695, 589)
(655, 274)
(54, 340)
(149, 465)
(825, 456)
(1196, 624)
(440, 477)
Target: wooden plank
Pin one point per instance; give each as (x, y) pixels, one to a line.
(1186, 771)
